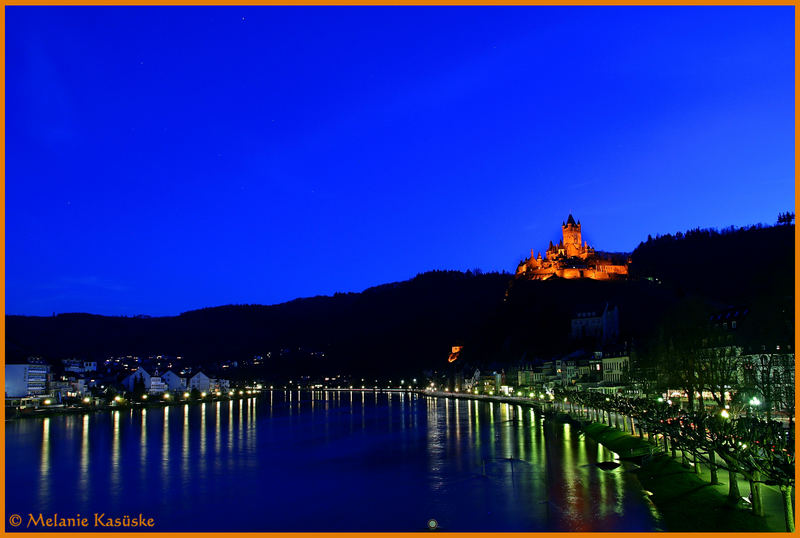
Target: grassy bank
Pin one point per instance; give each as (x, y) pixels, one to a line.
(685, 502)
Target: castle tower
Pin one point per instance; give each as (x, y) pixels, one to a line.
(572, 236)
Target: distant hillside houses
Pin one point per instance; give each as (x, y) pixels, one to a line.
(156, 383)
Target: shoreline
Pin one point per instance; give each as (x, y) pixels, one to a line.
(684, 501)
(81, 410)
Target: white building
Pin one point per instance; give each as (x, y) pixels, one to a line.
(140, 374)
(79, 366)
(615, 368)
(174, 381)
(26, 380)
(157, 384)
(200, 381)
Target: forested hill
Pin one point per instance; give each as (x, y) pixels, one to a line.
(412, 324)
(414, 321)
(734, 265)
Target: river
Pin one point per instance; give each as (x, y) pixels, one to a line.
(322, 461)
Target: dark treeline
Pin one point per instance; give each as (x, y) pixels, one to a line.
(406, 326)
(399, 326)
(734, 265)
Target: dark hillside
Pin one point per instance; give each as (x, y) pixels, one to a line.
(406, 326)
(732, 265)
(390, 327)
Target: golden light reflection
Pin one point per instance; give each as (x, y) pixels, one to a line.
(218, 429)
(185, 445)
(115, 453)
(165, 447)
(143, 443)
(202, 434)
(84, 462)
(44, 464)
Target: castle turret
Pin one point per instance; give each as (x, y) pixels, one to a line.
(571, 232)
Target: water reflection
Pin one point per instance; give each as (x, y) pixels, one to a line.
(83, 466)
(165, 448)
(114, 474)
(471, 465)
(44, 465)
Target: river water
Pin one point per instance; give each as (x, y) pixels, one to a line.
(335, 461)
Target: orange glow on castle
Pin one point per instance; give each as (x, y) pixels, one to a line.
(571, 259)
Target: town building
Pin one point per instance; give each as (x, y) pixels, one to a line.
(199, 381)
(29, 379)
(174, 381)
(599, 322)
(615, 369)
(79, 366)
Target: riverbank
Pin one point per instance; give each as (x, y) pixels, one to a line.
(15, 414)
(685, 502)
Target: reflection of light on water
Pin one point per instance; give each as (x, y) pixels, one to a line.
(218, 431)
(44, 464)
(435, 445)
(165, 448)
(143, 444)
(241, 426)
(202, 459)
(115, 455)
(84, 463)
(185, 446)
(251, 433)
(458, 424)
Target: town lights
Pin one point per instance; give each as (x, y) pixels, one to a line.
(144, 396)
(87, 400)
(185, 394)
(117, 398)
(531, 395)
(755, 401)
(660, 399)
(47, 402)
(724, 413)
(202, 394)
(230, 393)
(166, 396)
(241, 392)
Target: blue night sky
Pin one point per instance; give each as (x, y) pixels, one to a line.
(166, 159)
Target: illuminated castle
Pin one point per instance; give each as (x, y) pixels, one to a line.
(571, 259)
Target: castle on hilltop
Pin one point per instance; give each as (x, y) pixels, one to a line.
(571, 259)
